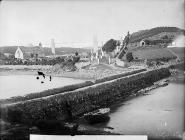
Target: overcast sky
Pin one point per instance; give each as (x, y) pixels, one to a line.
(77, 21)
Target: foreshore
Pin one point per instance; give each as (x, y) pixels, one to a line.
(84, 74)
(32, 70)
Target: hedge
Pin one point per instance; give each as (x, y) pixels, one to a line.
(118, 76)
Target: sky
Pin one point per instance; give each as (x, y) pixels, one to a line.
(76, 22)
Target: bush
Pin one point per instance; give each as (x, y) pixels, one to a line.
(118, 76)
(150, 63)
(76, 59)
(129, 56)
(110, 45)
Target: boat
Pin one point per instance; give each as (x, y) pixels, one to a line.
(97, 116)
(164, 83)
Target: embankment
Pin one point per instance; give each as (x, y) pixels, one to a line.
(82, 100)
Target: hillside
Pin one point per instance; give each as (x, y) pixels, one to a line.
(152, 53)
(154, 36)
(149, 53)
(179, 51)
(156, 33)
(46, 51)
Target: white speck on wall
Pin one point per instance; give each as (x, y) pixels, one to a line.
(178, 42)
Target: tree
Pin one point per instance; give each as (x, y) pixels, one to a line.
(76, 53)
(110, 45)
(165, 37)
(76, 59)
(40, 44)
(127, 38)
(32, 55)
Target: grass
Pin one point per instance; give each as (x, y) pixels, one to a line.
(118, 76)
(153, 54)
(179, 51)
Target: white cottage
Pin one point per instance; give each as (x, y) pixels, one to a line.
(142, 43)
(19, 54)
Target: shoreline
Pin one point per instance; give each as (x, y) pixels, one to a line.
(84, 74)
(73, 75)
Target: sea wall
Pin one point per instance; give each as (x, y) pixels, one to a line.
(61, 106)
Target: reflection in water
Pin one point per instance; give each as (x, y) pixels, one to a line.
(18, 85)
(159, 114)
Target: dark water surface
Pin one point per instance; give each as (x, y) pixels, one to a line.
(159, 114)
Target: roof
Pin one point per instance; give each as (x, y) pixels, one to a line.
(31, 49)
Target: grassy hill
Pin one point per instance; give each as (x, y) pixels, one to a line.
(179, 51)
(157, 53)
(155, 36)
(156, 33)
(152, 53)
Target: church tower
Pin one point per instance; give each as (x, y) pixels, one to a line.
(52, 46)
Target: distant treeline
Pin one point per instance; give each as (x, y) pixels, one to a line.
(43, 61)
(46, 51)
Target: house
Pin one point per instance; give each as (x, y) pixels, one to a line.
(8, 54)
(29, 52)
(142, 43)
(19, 53)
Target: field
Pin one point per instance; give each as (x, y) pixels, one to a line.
(158, 53)
(178, 51)
(153, 53)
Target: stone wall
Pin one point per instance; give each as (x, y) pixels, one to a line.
(81, 100)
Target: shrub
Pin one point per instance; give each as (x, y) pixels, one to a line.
(129, 56)
(118, 76)
(110, 45)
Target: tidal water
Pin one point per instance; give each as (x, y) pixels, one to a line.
(159, 114)
(19, 85)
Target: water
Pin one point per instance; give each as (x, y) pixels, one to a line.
(18, 85)
(160, 114)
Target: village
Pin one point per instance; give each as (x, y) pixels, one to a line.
(75, 68)
(112, 57)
